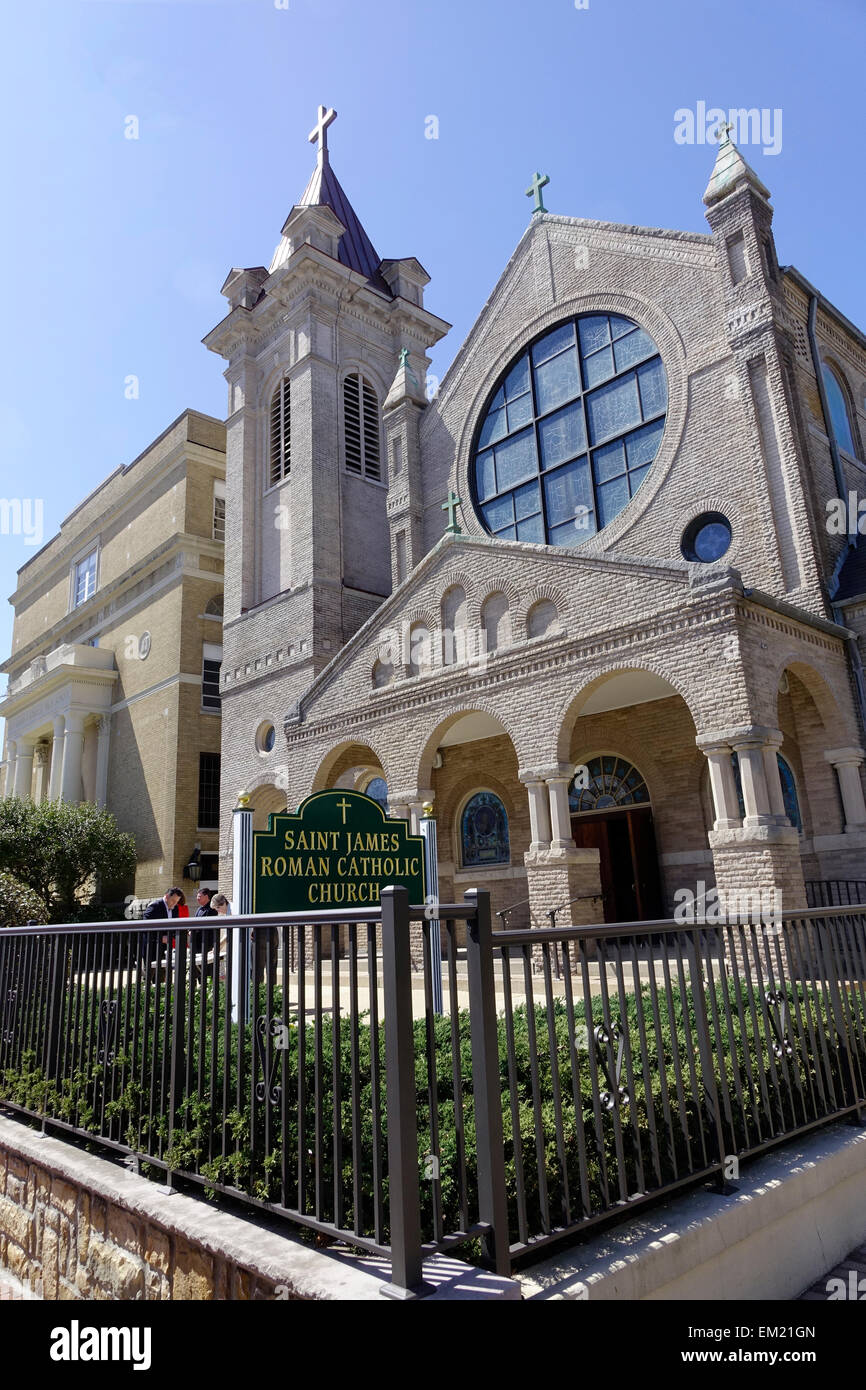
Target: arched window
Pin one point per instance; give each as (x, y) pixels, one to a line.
(454, 625)
(214, 606)
(496, 621)
(543, 619)
(789, 793)
(377, 790)
(361, 427)
(281, 433)
(838, 410)
(420, 648)
(602, 784)
(484, 831)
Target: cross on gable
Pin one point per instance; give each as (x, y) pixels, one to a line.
(539, 181)
(319, 133)
(450, 506)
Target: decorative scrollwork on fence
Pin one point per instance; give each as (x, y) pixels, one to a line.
(605, 1035)
(107, 1050)
(777, 1009)
(9, 1015)
(269, 1088)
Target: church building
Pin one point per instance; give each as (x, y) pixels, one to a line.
(600, 601)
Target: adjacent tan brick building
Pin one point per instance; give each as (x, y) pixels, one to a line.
(628, 660)
(113, 679)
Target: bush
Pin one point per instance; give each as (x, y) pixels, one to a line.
(58, 849)
(18, 903)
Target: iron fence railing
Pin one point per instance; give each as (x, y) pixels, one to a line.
(835, 892)
(574, 1073)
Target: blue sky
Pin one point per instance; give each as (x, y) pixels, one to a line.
(114, 249)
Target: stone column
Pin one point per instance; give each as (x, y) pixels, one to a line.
(73, 746)
(560, 814)
(773, 777)
(102, 746)
(539, 816)
(756, 796)
(847, 763)
(41, 763)
(57, 757)
(24, 769)
(11, 755)
(722, 785)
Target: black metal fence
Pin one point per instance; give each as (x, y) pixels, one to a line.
(835, 892)
(574, 1073)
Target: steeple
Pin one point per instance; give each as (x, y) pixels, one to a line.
(731, 171)
(324, 190)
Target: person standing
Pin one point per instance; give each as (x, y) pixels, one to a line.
(203, 941)
(155, 911)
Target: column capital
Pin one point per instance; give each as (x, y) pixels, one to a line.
(41, 754)
(740, 736)
(528, 775)
(839, 756)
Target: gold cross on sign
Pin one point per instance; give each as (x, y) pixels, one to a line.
(344, 806)
(319, 133)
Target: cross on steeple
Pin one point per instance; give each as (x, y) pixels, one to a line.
(539, 181)
(319, 133)
(450, 506)
(723, 130)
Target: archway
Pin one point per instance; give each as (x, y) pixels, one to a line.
(629, 739)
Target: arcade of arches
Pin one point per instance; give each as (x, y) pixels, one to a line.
(636, 806)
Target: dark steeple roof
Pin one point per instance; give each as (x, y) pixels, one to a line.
(356, 249)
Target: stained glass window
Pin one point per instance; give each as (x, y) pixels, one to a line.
(377, 790)
(838, 411)
(582, 413)
(603, 784)
(484, 831)
(789, 791)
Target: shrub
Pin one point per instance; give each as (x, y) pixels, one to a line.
(18, 903)
(58, 848)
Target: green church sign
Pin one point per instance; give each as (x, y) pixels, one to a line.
(338, 850)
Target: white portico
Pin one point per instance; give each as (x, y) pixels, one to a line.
(58, 716)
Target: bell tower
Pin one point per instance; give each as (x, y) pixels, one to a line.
(312, 344)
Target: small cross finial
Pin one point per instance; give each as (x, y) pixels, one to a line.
(404, 362)
(319, 133)
(539, 181)
(450, 506)
(723, 130)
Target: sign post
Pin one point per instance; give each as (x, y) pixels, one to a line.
(431, 864)
(242, 902)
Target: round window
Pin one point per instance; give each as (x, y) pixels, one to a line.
(570, 432)
(707, 538)
(266, 737)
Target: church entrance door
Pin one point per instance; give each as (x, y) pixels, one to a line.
(629, 869)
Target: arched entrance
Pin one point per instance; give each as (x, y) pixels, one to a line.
(611, 811)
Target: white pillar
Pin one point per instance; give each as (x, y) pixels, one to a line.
(102, 746)
(774, 779)
(57, 757)
(24, 769)
(847, 764)
(242, 905)
(539, 812)
(73, 746)
(560, 813)
(722, 785)
(41, 764)
(756, 797)
(11, 756)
